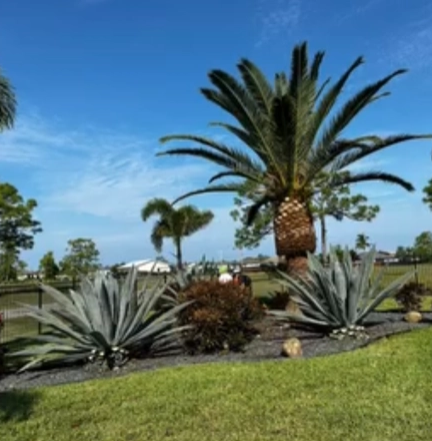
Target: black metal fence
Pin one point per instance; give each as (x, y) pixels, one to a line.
(13, 301)
(13, 298)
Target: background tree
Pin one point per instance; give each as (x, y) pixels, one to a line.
(427, 192)
(292, 133)
(7, 104)
(362, 242)
(404, 254)
(48, 266)
(175, 224)
(81, 258)
(423, 246)
(337, 203)
(17, 229)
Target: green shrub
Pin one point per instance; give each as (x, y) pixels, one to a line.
(220, 315)
(104, 321)
(338, 298)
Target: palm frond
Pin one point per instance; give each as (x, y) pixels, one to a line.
(156, 206)
(285, 122)
(237, 174)
(234, 187)
(255, 208)
(8, 104)
(351, 109)
(371, 145)
(226, 155)
(328, 101)
(355, 178)
(257, 85)
(157, 235)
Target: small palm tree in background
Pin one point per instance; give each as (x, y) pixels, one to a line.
(175, 224)
(291, 133)
(7, 104)
(362, 242)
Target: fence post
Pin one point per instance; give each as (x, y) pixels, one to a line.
(40, 306)
(415, 269)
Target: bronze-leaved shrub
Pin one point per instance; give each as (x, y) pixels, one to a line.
(221, 315)
(410, 297)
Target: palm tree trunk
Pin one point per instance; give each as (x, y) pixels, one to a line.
(179, 255)
(294, 233)
(323, 239)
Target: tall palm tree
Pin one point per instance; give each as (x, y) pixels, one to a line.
(175, 224)
(292, 133)
(362, 242)
(7, 104)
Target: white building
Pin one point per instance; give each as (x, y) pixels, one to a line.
(147, 266)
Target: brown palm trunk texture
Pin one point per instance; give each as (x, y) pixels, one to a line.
(294, 234)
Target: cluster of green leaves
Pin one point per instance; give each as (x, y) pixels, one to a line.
(81, 258)
(421, 250)
(104, 321)
(48, 266)
(338, 296)
(17, 230)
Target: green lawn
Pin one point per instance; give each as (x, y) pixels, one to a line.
(382, 393)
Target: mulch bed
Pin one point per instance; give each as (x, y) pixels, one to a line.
(266, 346)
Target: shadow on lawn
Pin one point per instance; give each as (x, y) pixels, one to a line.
(16, 406)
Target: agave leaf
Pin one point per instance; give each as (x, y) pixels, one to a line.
(46, 318)
(81, 310)
(366, 269)
(99, 317)
(154, 326)
(283, 315)
(59, 297)
(323, 284)
(387, 292)
(301, 289)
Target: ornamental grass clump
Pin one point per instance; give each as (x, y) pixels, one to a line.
(104, 321)
(338, 298)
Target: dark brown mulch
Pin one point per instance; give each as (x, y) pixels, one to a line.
(266, 346)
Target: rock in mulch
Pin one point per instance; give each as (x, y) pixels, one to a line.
(292, 348)
(267, 346)
(413, 317)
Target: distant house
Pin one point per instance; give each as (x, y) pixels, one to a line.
(383, 257)
(147, 266)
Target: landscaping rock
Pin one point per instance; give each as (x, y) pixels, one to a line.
(292, 348)
(413, 317)
(292, 307)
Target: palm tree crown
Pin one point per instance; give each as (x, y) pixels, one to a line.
(175, 224)
(7, 104)
(293, 133)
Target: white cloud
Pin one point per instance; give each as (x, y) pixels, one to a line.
(411, 47)
(277, 17)
(93, 183)
(356, 9)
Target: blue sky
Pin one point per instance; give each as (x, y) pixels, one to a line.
(99, 81)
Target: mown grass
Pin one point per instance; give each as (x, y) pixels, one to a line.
(382, 393)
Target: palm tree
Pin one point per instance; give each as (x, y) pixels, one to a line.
(362, 242)
(175, 224)
(7, 104)
(290, 139)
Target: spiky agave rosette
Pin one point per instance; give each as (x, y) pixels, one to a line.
(104, 321)
(337, 299)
